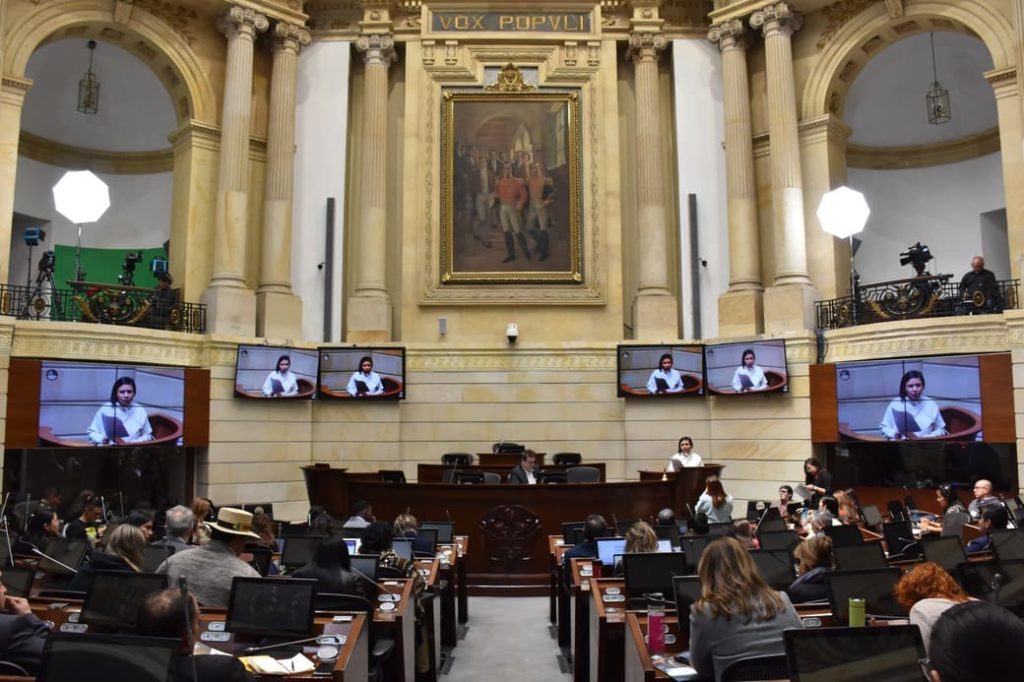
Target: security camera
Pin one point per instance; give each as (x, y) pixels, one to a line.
(512, 332)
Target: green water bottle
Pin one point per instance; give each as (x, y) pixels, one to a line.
(856, 612)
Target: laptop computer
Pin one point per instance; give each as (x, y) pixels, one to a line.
(757, 508)
(114, 598)
(271, 607)
(686, 589)
(775, 566)
(154, 555)
(445, 530)
(1007, 544)
(1001, 582)
(67, 552)
(670, 533)
(866, 555)
(772, 524)
(425, 542)
(844, 536)
(403, 548)
(900, 541)
(569, 531)
(353, 545)
(298, 550)
(365, 564)
(608, 548)
(946, 552)
(652, 573)
(18, 580)
(873, 585)
(108, 657)
(692, 547)
(778, 539)
(890, 654)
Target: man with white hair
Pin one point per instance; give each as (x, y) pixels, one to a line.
(180, 524)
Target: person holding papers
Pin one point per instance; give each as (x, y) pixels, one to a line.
(665, 379)
(365, 382)
(912, 415)
(120, 422)
(748, 376)
(281, 382)
(684, 457)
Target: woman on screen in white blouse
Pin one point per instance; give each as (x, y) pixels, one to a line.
(912, 415)
(281, 381)
(119, 421)
(748, 376)
(370, 380)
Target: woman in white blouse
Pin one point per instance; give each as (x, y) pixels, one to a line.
(748, 376)
(119, 421)
(912, 415)
(281, 381)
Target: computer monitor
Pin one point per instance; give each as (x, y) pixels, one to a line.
(425, 541)
(569, 529)
(299, 550)
(67, 552)
(403, 548)
(778, 539)
(891, 654)
(108, 657)
(114, 598)
(1007, 544)
(365, 564)
(607, 548)
(853, 557)
(772, 524)
(719, 529)
(353, 545)
(271, 607)
(775, 566)
(18, 580)
(897, 512)
(445, 530)
(652, 572)
(873, 585)
(1001, 583)
(693, 546)
(899, 539)
(154, 555)
(946, 552)
(687, 591)
(844, 536)
(664, 545)
(670, 533)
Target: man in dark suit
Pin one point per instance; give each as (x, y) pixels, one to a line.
(523, 472)
(22, 635)
(593, 528)
(983, 282)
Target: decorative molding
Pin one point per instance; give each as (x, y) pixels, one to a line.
(97, 160)
(838, 14)
(925, 155)
(510, 79)
(378, 48)
(778, 19)
(290, 38)
(646, 46)
(195, 134)
(175, 14)
(239, 22)
(729, 35)
(894, 8)
(936, 336)
(475, 359)
(106, 342)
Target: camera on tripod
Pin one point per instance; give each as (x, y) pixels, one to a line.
(47, 262)
(127, 276)
(916, 255)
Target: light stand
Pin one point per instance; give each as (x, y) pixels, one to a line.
(32, 237)
(843, 212)
(81, 197)
(79, 275)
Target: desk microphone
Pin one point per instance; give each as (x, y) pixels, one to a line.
(448, 516)
(248, 651)
(910, 543)
(38, 552)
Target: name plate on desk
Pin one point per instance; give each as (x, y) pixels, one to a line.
(215, 636)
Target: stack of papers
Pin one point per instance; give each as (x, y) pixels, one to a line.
(268, 665)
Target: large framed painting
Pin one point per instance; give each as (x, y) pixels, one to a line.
(510, 185)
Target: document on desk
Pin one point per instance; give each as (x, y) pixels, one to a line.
(674, 669)
(268, 665)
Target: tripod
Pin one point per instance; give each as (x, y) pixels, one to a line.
(36, 304)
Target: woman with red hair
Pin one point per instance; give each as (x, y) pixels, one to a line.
(927, 591)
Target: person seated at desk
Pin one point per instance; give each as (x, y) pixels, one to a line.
(949, 502)
(210, 569)
(974, 641)
(983, 497)
(640, 539)
(522, 473)
(362, 515)
(665, 379)
(86, 526)
(820, 520)
(163, 614)
(594, 527)
(667, 517)
(738, 615)
(743, 531)
(927, 591)
(365, 381)
(179, 523)
(124, 547)
(714, 502)
(993, 517)
(331, 567)
(42, 526)
(846, 503)
(143, 520)
(814, 559)
(685, 456)
(22, 634)
(406, 526)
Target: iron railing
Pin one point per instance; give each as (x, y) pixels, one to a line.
(101, 304)
(927, 296)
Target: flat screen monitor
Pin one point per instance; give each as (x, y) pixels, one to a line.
(687, 593)
(661, 371)
(425, 541)
(299, 549)
(920, 398)
(114, 598)
(1007, 544)
(353, 545)
(775, 566)
(872, 516)
(445, 530)
(978, 580)
(366, 564)
(67, 552)
(670, 533)
(947, 552)
(154, 555)
(853, 557)
(18, 580)
(664, 545)
(86, 404)
(747, 368)
(873, 585)
(890, 654)
(345, 375)
(276, 373)
(607, 548)
(652, 573)
(402, 547)
(108, 657)
(758, 508)
(778, 539)
(692, 547)
(569, 530)
(271, 607)
(899, 540)
(844, 536)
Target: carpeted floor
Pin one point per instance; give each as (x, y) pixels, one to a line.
(509, 638)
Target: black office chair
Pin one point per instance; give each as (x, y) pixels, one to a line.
(390, 572)
(380, 648)
(452, 459)
(261, 557)
(583, 475)
(491, 477)
(567, 459)
(757, 668)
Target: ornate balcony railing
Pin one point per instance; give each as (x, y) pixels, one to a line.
(904, 299)
(102, 304)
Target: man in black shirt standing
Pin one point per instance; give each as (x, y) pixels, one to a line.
(983, 282)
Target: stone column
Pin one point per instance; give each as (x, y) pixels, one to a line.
(656, 313)
(368, 316)
(741, 308)
(232, 305)
(789, 301)
(278, 310)
(12, 98)
(1011, 145)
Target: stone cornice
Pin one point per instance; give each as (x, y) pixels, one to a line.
(97, 160)
(935, 336)
(738, 10)
(288, 11)
(924, 155)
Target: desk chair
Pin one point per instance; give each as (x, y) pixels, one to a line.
(953, 524)
(261, 557)
(12, 669)
(491, 477)
(462, 459)
(757, 668)
(380, 648)
(583, 475)
(567, 459)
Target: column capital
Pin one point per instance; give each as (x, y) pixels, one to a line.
(378, 48)
(778, 19)
(290, 38)
(645, 46)
(729, 35)
(241, 22)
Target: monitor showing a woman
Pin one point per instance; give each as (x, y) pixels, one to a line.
(119, 421)
(665, 379)
(281, 382)
(365, 382)
(748, 376)
(912, 415)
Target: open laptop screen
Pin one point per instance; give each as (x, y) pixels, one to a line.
(867, 555)
(1008, 544)
(899, 540)
(425, 541)
(607, 548)
(271, 607)
(693, 546)
(299, 550)
(365, 564)
(651, 573)
(68, 552)
(114, 598)
(844, 536)
(402, 547)
(18, 580)
(873, 585)
(445, 530)
(889, 654)
(69, 656)
(946, 552)
(777, 539)
(775, 566)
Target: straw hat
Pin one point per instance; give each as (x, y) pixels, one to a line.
(234, 521)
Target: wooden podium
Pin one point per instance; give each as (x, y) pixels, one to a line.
(689, 482)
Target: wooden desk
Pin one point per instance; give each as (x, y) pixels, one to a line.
(399, 625)
(430, 569)
(435, 473)
(581, 571)
(558, 608)
(335, 489)
(637, 657)
(606, 632)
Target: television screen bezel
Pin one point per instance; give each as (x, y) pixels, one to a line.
(692, 347)
(365, 350)
(284, 350)
(784, 388)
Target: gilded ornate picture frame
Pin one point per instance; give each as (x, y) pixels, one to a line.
(510, 185)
